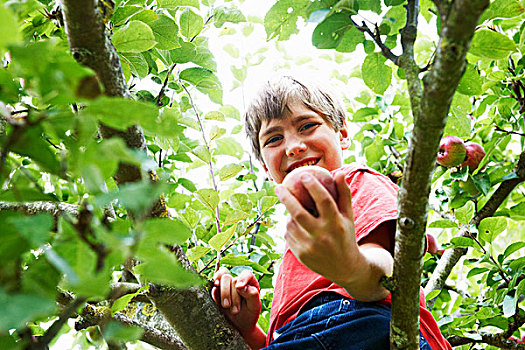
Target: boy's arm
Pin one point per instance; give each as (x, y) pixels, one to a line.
(327, 244)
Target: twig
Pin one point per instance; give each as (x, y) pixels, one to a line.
(210, 164)
(385, 50)
(52, 331)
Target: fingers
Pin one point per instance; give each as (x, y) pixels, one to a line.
(228, 292)
(294, 207)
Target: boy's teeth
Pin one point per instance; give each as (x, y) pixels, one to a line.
(311, 162)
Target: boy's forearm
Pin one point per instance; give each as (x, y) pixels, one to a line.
(374, 262)
(256, 338)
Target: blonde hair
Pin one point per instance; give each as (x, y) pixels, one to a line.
(273, 99)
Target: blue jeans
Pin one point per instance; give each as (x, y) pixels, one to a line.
(332, 322)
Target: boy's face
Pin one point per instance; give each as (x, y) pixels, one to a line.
(301, 137)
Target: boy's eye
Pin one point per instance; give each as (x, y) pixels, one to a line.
(307, 126)
(273, 139)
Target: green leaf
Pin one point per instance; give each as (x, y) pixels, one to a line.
(17, 309)
(185, 53)
(240, 260)
(443, 224)
(351, 38)
(267, 202)
(376, 74)
(164, 230)
(229, 146)
(122, 302)
(34, 228)
(396, 19)
(205, 81)
(502, 9)
(32, 144)
(190, 23)
(230, 170)
(136, 36)
(235, 216)
(202, 153)
(490, 44)
(476, 271)
(8, 27)
(223, 14)
(117, 332)
(458, 124)
(329, 33)
(514, 247)
(208, 197)
(465, 213)
(281, 20)
(121, 113)
(520, 290)
(171, 4)
(471, 82)
(160, 266)
(432, 294)
(165, 31)
(463, 242)
(137, 63)
(489, 228)
(196, 253)
(220, 239)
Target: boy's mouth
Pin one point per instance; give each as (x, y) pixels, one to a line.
(305, 162)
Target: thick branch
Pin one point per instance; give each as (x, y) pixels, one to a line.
(32, 208)
(429, 122)
(407, 60)
(196, 318)
(91, 46)
(452, 256)
(93, 317)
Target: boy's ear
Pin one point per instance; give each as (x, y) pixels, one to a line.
(267, 172)
(343, 137)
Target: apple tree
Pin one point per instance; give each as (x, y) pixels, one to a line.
(125, 185)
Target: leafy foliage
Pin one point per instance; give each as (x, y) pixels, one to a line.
(220, 208)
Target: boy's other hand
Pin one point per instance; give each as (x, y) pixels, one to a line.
(238, 298)
(326, 244)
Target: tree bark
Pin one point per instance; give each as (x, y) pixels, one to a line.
(440, 84)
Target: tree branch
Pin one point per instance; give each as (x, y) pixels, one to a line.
(31, 208)
(430, 116)
(93, 317)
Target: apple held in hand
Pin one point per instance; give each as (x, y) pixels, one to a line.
(293, 183)
(475, 154)
(452, 151)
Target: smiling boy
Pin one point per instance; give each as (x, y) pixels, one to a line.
(327, 292)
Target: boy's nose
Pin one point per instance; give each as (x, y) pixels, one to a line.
(295, 147)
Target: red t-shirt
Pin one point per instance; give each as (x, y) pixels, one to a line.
(374, 201)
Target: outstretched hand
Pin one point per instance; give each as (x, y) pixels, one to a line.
(238, 298)
(327, 243)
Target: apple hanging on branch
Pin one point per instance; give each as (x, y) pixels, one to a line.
(452, 151)
(475, 154)
(293, 183)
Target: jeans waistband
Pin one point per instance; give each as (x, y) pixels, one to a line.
(320, 299)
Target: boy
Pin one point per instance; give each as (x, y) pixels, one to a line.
(327, 293)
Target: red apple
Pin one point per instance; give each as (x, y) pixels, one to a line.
(433, 245)
(451, 152)
(293, 183)
(475, 154)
